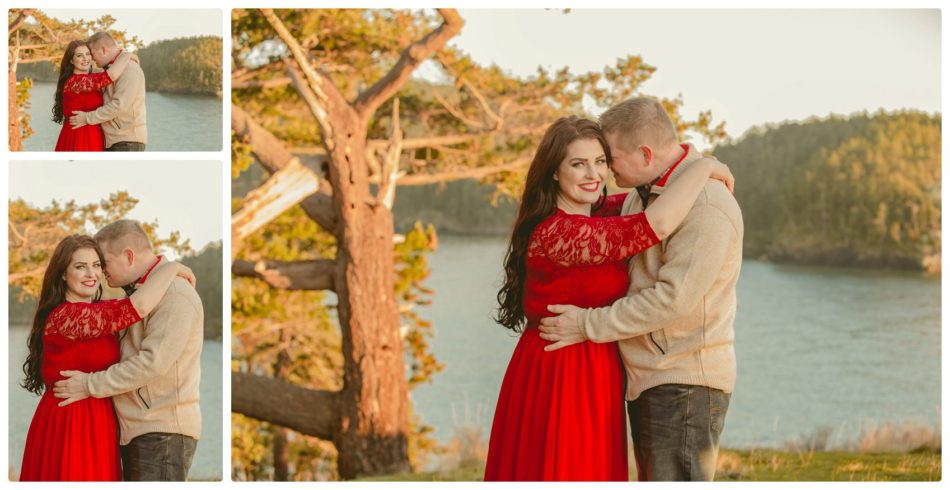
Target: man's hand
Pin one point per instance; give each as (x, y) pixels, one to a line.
(78, 119)
(565, 329)
(72, 389)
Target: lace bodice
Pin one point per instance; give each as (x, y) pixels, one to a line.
(81, 83)
(568, 239)
(83, 321)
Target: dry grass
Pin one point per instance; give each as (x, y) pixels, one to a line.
(730, 466)
(468, 447)
(892, 438)
(887, 437)
(466, 450)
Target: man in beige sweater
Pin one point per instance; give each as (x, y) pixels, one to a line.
(155, 385)
(674, 329)
(122, 114)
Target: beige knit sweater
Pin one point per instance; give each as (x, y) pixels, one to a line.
(122, 114)
(155, 385)
(676, 323)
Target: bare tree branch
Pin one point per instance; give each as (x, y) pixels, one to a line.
(273, 156)
(311, 412)
(389, 171)
(457, 112)
(325, 93)
(54, 37)
(245, 77)
(307, 275)
(17, 235)
(407, 144)
(484, 103)
(468, 173)
(16, 276)
(38, 60)
(34, 46)
(367, 102)
(284, 189)
(317, 108)
(272, 83)
(24, 14)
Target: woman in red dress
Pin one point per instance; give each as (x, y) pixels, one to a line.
(80, 90)
(73, 330)
(560, 415)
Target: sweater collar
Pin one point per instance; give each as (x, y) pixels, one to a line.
(671, 174)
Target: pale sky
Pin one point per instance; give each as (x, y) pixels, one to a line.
(152, 24)
(748, 66)
(181, 195)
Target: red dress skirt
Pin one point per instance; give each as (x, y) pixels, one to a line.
(78, 442)
(561, 414)
(82, 92)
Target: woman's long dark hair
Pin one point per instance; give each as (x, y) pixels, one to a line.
(52, 294)
(537, 203)
(65, 71)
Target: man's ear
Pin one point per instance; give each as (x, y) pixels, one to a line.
(129, 255)
(648, 154)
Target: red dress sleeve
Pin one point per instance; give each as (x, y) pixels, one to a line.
(85, 321)
(612, 205)
(87, 82)
(570, 239)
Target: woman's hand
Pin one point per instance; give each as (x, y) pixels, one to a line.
(187, 274)
(720, 171)
(134, 57)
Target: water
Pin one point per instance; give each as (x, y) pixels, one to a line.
(818, 348)
(208, 458)
(174, 122)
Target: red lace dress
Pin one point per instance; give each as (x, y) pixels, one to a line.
(78, 442)
(560, 415)
(82, 92)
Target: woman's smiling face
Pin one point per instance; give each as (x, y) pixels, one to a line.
(582, 174)
(81, 60)
(83, 275)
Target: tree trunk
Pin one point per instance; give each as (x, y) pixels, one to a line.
(13, 123)
(373, 430)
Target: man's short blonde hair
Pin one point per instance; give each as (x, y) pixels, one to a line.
(639, 121)
(122, 234)
(100, 39)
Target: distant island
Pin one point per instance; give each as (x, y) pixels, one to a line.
(860, 190)
(189, 65)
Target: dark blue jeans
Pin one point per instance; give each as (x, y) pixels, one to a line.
(676, 430)
(158, 456)
(127, 146)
